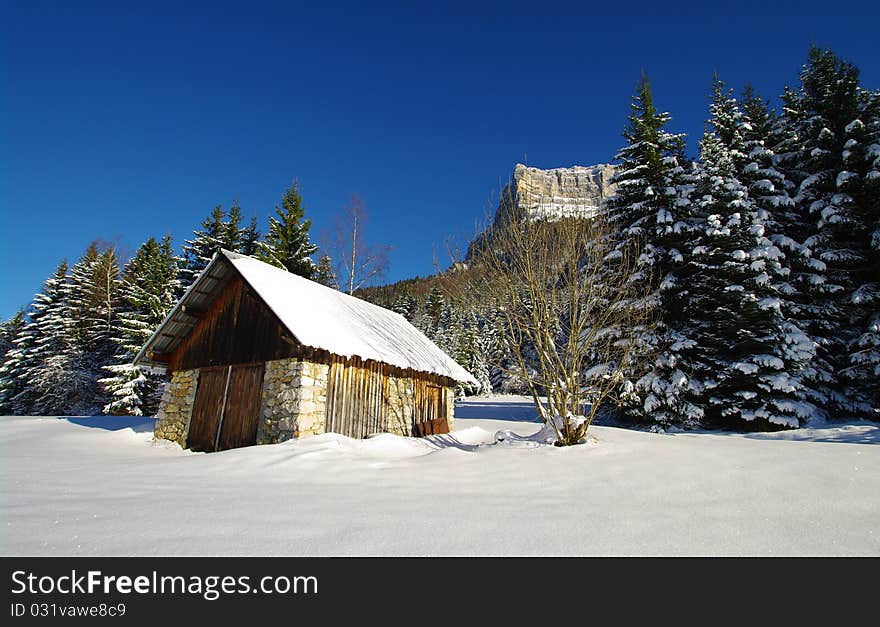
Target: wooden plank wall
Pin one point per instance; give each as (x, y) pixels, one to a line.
(238, 328)
(430, 408)
(355, 397)
(357, 393)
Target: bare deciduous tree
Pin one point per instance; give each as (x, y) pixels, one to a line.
(356, 262)
(569, 316)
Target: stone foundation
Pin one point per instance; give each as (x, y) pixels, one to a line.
(293, 405)
(294, 400)
(175, 408)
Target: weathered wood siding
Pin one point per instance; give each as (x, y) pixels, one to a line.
(207, 409)
(238, 328)
(366, 397)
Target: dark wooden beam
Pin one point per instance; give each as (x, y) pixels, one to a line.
(194, 312)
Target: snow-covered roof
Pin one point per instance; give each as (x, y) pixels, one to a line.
(319, 317)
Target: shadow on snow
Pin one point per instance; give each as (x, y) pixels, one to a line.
(138, 424)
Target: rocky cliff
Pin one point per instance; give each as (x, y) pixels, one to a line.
(558, 192)
(537, 193)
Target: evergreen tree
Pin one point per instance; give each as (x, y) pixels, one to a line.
(803, 275)
(406, 305)
(858, 195)
(198, 251)
(9, 330)
(219, 230)
(232, 233)
(829, 122)
(32, 375)
(287, 244)
(80, 297)
(250, 238)
(745, 356)
(652, 212)
(94, 291)
(94, 308)
(324, 273)
(148, 293)
(473, 351)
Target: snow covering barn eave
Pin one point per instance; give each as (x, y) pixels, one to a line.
(142, 359)
(225, 258)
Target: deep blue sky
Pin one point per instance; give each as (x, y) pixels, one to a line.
(123, 120)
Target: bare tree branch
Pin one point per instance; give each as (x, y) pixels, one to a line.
(356, 262)
(563, 288)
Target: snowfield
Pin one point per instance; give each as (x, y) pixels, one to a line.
(101, 486)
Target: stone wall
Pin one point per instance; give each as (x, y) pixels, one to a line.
(175, 409)
(399, 405)
(294, 400)
(450, 408)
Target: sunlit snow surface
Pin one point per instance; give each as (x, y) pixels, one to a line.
(101, 486)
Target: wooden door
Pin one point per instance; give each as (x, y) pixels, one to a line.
(207, 409)
(242, 413)
(226, 411)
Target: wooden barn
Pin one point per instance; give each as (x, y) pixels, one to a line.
(258, 355)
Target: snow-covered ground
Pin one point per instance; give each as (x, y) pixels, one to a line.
(100, 486)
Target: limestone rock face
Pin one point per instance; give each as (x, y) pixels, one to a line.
(536, 193)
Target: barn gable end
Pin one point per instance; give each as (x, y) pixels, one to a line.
(237, 328)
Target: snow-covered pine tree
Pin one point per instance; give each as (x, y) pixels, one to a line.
(287, 243)
(199, 250)
(42, 334)
(244, 240)
(218, 230)
(250, 238)
(405, 304)
(148, 292)
(653, 217)
(477, 348)
(94, 314)
(324, 273)
(837, 198)
(859, 197)
(769, 192)
(745, 357)
(232, 233)
(9, 330)
(80, 295)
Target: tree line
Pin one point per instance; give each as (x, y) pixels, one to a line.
(752, 292)
(71, 350)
